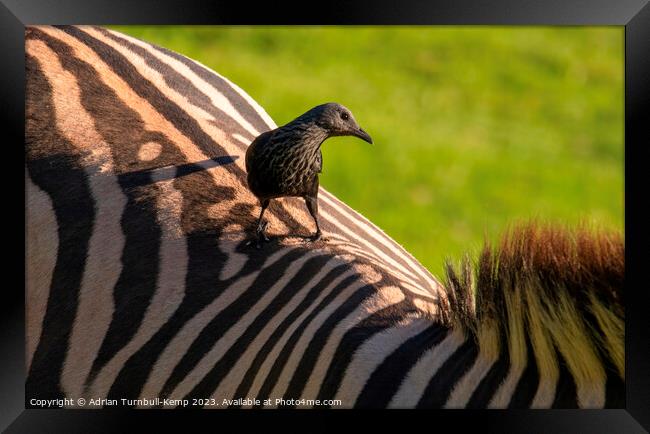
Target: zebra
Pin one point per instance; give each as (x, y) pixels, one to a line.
(140, 289)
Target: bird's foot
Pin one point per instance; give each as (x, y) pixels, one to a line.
(261, 227)
(261, 236)
(258, 241)
(317, 236)
(261, 233)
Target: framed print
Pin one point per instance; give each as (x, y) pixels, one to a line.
(408, 209)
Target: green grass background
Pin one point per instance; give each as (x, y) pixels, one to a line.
(474, 127)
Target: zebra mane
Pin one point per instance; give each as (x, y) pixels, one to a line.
(561, 287)
(140, 283)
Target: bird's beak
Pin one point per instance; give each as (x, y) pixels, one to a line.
(360, 133)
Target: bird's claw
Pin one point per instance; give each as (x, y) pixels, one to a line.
(317, 236)
(258, 241)
(262, 239)
(261, 236)
(261, 228)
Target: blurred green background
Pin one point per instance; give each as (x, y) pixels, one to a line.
(474, 127)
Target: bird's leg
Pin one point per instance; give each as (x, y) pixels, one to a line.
(312, 206)
(262, 224)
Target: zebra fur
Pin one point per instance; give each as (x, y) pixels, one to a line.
(138, 281)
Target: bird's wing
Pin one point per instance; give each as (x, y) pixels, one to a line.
(319, 162)
(256, 146)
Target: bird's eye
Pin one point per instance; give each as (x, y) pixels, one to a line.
(345, 116)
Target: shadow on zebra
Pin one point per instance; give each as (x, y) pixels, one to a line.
(138, 289)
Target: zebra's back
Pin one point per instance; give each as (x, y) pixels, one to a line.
(139, 283)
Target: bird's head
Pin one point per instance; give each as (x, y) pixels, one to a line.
(338, 121)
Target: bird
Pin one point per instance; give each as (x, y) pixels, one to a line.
(286, 161)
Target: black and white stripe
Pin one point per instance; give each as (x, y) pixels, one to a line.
(139, 284)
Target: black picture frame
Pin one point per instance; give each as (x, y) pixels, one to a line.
(633, 14)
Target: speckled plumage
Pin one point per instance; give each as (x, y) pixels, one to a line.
(286, 161)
